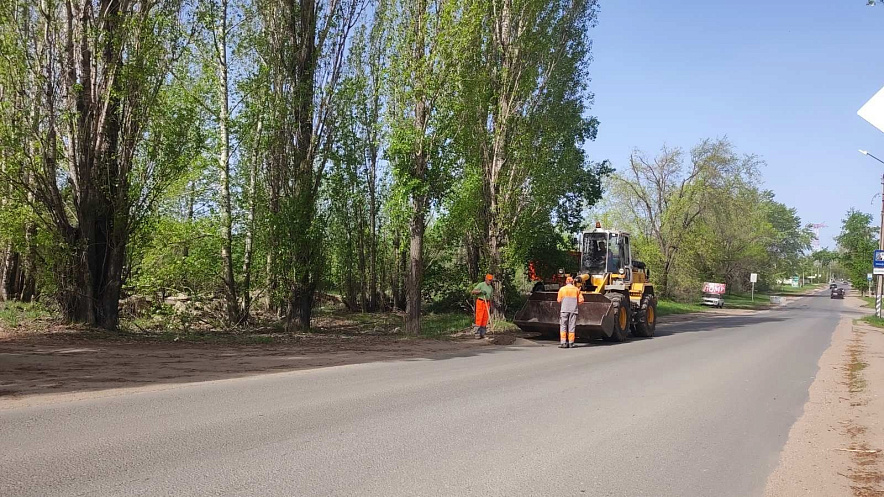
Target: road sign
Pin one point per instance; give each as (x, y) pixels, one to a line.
(873, 110)
(753, 278)
(869, 276)
(878, 260)
(795, 281)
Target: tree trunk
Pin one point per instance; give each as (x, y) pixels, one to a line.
(101, 172)
(98, 78)
(4, 264)
(663, 282)
(230, 293)
(419, 173)
(416, 271)
(363, 281)
(504, 43)
(188, 216)
(250, 230)
(271, 283)
(399, 274)
(372, 250)
(495, 262)
(12, 278)
(300, 307)
(5, 248)
(373, 184)
(29, 279)
(295, 238)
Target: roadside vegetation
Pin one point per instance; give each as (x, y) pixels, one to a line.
(15, 315)
(872, 319)
(669, 307)
(371, 183)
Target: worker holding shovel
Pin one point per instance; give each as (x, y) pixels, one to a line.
(483, 292)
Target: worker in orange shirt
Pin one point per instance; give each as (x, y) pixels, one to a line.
(569, 297)
(483, 292)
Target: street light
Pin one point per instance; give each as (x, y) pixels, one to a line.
(866, 152)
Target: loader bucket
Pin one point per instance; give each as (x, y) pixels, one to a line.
(541, 315)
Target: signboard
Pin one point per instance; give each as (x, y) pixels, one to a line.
(753, 278)
(878, 262)
(714, 288)
(873, 110)
(795, 281)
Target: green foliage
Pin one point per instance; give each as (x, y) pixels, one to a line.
(178, 256)
(705, 220)
(669, 307)
(857, 243)
(873, 320)
(466, 118)
(15, 314)
(445, 324)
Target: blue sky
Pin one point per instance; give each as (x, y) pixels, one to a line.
(781, 79)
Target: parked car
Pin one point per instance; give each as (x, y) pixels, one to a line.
(837, 293)
(713, 300)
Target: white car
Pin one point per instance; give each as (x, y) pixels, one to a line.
(713, 300)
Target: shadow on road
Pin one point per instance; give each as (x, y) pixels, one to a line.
(73, 365)
(38, 367)
(694, 324)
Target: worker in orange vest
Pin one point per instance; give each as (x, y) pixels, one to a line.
(569, 297)
(483, 292)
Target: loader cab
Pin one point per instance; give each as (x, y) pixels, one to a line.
(606, 252)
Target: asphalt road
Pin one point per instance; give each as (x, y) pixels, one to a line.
(702, 409)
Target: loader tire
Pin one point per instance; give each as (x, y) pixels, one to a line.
(646, 317)
(622, 317)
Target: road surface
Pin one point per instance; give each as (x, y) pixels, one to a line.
(702, 409)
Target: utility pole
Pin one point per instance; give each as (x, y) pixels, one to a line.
(879, 278)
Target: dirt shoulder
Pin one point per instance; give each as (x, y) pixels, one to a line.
(835, 446)
(61, 367)
(59, 364)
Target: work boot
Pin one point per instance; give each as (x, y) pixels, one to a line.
(572, 345)
(563, 345)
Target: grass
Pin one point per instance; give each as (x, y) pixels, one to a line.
(872, 319)
(731, 301)
(326, 321)
(433, 325)
(15, 314)
(793, 290)
(669, 307)
(744, 301)
(445, 324)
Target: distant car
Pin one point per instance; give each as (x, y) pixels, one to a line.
(713, 300)
(837, 293)
(833, 285)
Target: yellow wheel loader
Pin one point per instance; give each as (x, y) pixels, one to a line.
(618, 295)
